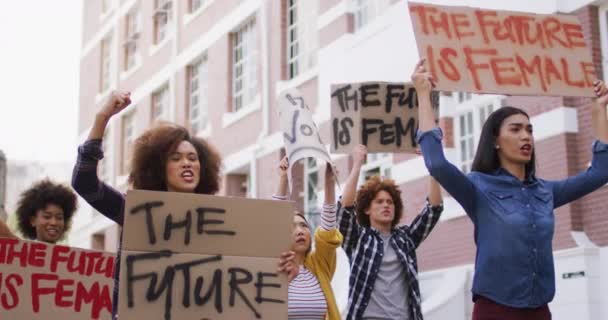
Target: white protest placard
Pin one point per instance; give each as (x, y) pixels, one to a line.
(192, 257)
(300, 133)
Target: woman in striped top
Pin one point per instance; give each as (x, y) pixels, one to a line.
(310, 294)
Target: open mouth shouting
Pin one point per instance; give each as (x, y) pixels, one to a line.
(188, 175)
(526, 149)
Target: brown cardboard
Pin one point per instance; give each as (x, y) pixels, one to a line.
(261, 227)
(381, 115)
(260, 232)
(503, 60)
(49, 282)
(300, 133)
(190, 309)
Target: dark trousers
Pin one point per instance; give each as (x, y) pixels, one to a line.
(486, 309)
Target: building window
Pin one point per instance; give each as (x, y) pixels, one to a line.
(311, 193)
(198, 85)
(160, 104)
(302, 35)
(469, 125)
(463, 96)
(466, 141)
(128, 138)
(196, 4)
(106, 5)
(376, 164)
(162, 15)
(106, 64)
(367, 10)
(105, 170)
(244, 74)
(131, 36)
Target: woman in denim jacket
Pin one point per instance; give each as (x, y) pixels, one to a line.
(511, 209)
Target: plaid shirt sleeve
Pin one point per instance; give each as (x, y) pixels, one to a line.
(105, 199)
(424, 223)
(348, 227)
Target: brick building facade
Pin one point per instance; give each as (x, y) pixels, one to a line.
(217, 67)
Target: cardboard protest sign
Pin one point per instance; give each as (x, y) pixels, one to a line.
(490, 51)
(44, 281)
(300, 133)
(190, 256)
(380, 115)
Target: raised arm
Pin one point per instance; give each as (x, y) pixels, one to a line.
(281, 193)
(5, 231)
(349, 194)
(85, 181)
(429, 138)
(424, 223)
(328, 215)
(600, 120)
(346, 215)
(575, 187)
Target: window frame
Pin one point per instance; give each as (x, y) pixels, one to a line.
(132, 34)
(301, 37)
(127, 141)
(380, 162)
(165, 114)
(105, 61)
(202, 91)
(162, 10)
(312, 207)
(473, 107)
(374, 8)
(245, 39)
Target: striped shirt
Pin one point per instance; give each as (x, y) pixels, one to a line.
(364, 249)
(305, 297)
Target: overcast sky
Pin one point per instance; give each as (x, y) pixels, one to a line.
(39, 71)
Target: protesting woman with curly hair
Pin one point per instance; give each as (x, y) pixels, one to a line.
(44, 212)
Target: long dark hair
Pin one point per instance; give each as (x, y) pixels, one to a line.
(486, 158)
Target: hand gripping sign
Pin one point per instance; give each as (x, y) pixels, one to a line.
(504, 52)
(300, 133)
(44, 281)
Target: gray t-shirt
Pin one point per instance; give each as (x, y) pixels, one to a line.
(389, 296)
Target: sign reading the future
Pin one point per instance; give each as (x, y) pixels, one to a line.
(192, 257)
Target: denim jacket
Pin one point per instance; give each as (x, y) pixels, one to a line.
(513, 222)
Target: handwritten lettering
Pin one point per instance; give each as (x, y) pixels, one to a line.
(489, 51)
(161, 285)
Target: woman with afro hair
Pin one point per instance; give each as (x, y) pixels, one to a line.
(44, 212)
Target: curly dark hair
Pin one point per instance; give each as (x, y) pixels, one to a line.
(152, 149)
(37, 197)
(367, 193)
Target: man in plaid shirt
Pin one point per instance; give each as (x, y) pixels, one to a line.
(384, 272)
